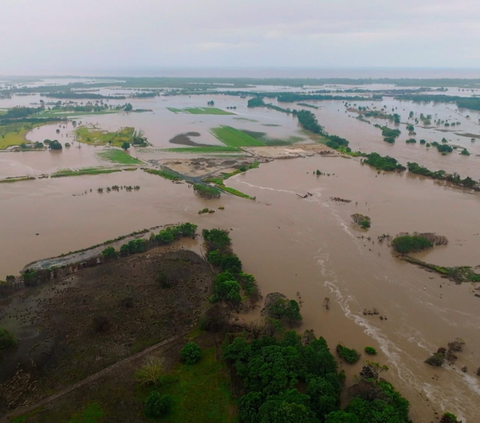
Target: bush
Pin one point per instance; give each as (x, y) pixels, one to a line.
(370, 350)
(157, 405)
(191, 353)
(349, 355)
(109, 253)
(410, 244)
(150, 372)
(7, 340)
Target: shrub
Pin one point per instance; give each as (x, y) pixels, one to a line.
(410, 244)
(7, 340)
(365, 224)
(349, 355)
(370, 350)
(191, 353)
(150, 372)
(109, 253)
(157, 405)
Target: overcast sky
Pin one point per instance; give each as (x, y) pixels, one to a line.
(81, 36)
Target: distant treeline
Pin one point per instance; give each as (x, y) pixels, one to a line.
(71, 95)
(472, 103)
(293, 97)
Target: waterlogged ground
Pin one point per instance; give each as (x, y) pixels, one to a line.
(306, 248)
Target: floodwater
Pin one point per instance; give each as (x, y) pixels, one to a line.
(305, 246)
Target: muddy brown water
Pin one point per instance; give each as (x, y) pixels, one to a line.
(305, 248)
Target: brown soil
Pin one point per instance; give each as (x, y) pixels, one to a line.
(64, 345)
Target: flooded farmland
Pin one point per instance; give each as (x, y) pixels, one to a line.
(307, 248)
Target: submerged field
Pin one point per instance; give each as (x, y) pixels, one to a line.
(200, 111)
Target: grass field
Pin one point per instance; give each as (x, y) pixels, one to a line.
(16, 179)
(84, 171)
(200, 111)
(201, 393)
(118, 156)
(232, 137)
(14, 134)
(95, 136)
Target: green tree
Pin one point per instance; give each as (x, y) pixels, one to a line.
(125, 145)
(157, 405)
(341, 417)
(191, 353)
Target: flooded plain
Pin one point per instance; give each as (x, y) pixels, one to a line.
(301, 247)
(308, 248)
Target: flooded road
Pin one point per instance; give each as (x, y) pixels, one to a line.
(305, 247)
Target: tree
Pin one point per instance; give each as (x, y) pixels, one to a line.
(125, 145)
(191, 353)
(157, 405)
(55, 145)
(285, 412)
(128, 107)
(341, 417)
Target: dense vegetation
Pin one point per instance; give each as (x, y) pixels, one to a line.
(383, 163)
(163, 173)
(294, 97)
(206, 191)
(389, 134)
(454, 178)
(164, 237)
(472, 103)
(231, 281)
(410, 244)
(274, 368)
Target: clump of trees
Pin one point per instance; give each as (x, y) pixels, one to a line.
(272, 367)
(454, 178)
(370, 350)
(206, 191)
(53, 145)
(231, 281)
(164, 237)
(410, 244)
(385, 163)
